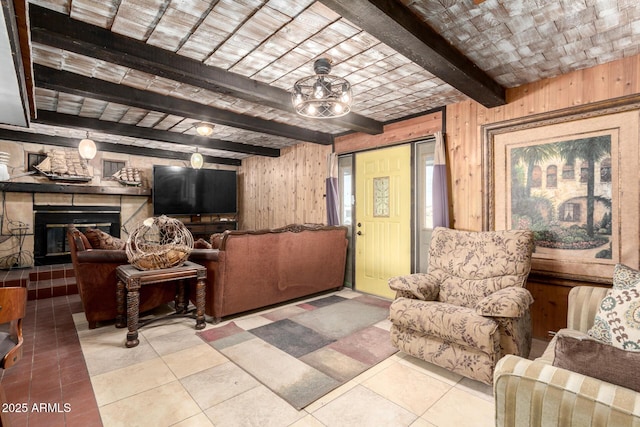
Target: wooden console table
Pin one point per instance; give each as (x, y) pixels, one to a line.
(131, 279)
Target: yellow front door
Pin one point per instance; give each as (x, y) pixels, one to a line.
(383, 218)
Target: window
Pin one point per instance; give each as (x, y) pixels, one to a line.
(605, 170)
(34, 159)
(423, 202)
(536, 177)
(568, 171)
(109, 167)
(345, 185)
(584, 172)
(428, 188)
(570, 212)
(345, 175)
(552, 176)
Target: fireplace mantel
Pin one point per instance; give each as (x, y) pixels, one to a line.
(30, 187)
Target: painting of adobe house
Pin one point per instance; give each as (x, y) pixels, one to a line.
(562, 192)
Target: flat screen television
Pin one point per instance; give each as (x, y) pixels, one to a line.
(187, 191)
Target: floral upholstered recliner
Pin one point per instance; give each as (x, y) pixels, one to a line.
(471, 308)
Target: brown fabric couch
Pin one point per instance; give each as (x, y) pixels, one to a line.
(252, 269)
(95, 271)
(255, 269)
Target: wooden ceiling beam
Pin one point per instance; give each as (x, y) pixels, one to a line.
(67, 120)
(62, 141)
(75, 84)
(61, 31)
(22, 21)
(18, 100)
(399, 28)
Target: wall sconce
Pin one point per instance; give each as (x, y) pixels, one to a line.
(197, 160)
(204, 128)
(87, 148)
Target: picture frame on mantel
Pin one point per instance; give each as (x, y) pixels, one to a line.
(570, 176)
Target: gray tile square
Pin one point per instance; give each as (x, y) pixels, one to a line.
(291, 337)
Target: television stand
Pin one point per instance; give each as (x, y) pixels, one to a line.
(204, 230)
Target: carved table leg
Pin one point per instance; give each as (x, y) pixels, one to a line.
(133, 307)
(121, 321)
(181, 300)
(200, 295)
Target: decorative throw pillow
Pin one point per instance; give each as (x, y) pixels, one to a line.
(598, 360)
(101, 240)
(618, 319)
(215, 239)
(80, 240)
(201, 244)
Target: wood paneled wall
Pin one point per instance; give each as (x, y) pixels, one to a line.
(394, 133)
(464, 123)
(289, 189)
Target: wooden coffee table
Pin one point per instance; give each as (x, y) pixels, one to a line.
(130, 279)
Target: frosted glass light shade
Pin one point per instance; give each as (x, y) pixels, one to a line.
(204, 129)
(87, 149)
(197, 160)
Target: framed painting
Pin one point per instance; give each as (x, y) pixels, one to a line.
(571, 177)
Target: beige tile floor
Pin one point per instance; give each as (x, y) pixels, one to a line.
(174, 379)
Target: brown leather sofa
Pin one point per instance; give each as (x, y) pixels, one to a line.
(250, 270)
(256, 269)
(207, 258)
(95, 271)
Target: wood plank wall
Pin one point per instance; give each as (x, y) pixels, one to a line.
(290, 189)
(464, 122)
(393, 133)
(285, 190)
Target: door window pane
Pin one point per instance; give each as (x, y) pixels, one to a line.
(345, 183)
(345, 188)
(428, 192)
(423, 166)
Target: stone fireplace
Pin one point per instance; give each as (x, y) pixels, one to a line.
(50, 226)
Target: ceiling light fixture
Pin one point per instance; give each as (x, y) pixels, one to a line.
(87, 148)
(204, 128)
(321, 96)
(197, 160)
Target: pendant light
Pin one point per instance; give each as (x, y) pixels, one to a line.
(87, 148)
(197, 160)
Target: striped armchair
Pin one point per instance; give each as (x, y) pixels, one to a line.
(535, 393)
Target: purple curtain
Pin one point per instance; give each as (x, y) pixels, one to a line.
(333, 198)
(440, 184)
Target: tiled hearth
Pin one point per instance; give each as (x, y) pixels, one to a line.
(43, 281)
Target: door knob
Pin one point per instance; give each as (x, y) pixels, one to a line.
(359, 233)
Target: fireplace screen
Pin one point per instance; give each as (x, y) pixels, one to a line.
(50, 231)
(57, 236)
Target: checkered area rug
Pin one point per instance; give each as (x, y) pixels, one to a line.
(304, 351)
